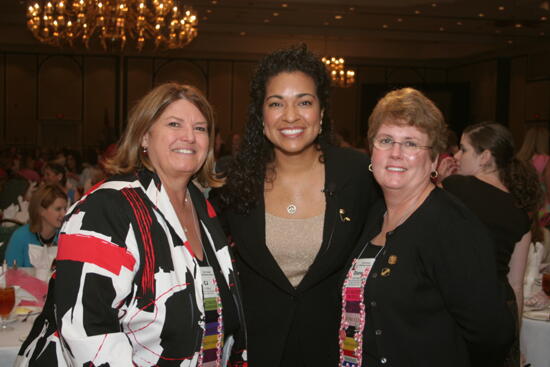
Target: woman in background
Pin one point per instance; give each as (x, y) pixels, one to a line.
(535, 150)
(144, 274)
(294, 205)
(47, 208)
(55, 174)
(505, 194)
(422, 288)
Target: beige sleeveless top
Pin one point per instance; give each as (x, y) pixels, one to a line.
(294, 243)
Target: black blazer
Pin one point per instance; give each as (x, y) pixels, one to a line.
(298, 327)
(437, 301)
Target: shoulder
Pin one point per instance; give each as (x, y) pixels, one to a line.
(345, 163)
(347, 170)
(456, 180)
(462, 186)
(447, 210)
(111, 197)
(22, 232)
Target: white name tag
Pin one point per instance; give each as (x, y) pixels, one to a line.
(361, 269)
(208, 282)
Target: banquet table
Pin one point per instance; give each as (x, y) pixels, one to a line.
(10, 341)
(535, 342)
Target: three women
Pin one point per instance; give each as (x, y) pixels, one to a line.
(295, 207)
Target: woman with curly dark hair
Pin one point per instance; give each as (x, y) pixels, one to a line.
(294, 205)
(505, 194)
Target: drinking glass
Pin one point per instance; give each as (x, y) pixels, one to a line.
(7, 301)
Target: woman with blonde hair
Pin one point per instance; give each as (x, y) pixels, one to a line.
(47, 208)
(144, 274)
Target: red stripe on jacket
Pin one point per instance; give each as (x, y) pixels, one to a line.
(93, 250)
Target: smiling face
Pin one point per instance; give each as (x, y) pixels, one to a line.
(469, 161)
(395, 170)
(52, 216)
(177, 143)
(292, 113)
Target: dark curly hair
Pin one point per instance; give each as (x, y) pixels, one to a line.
(518, 176)
(247, 171)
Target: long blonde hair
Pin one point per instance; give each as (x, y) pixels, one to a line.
(534, 142)
(129, 155)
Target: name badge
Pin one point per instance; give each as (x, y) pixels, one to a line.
(362, 269)
(208, 282)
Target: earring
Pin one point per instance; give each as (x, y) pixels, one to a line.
(434, 174)
(144, 149)
(321, 127)
(370, 167)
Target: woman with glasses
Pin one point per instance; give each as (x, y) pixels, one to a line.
(421, 289)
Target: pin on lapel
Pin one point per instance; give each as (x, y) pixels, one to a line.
(385, 272)
(343, 216)
(392, 260)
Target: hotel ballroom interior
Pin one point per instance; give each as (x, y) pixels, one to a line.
(478, 60)
(70, 88)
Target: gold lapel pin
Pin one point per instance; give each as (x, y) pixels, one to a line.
(343, 217)
(385, 272)
(392, 260)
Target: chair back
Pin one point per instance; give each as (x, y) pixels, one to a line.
(7, 227)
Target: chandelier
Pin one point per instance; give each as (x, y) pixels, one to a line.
(340, 76)
(165, 23)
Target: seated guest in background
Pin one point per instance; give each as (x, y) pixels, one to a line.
(47, 208)
(73, 168)
(27, 168)
(13, 187)
(422, 288)
(92, 172)
(502, 191)
(294, 205)
(144, 275)
(55, 174)
(223, 160)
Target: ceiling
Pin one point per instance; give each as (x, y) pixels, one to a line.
(357, 29)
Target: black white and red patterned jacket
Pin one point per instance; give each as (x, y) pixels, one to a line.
(127, 286)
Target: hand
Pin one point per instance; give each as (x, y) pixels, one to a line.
(538, 301)
(447, 167)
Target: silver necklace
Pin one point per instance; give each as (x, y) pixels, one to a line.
(291, 209)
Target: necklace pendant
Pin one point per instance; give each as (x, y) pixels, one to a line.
(291, 209)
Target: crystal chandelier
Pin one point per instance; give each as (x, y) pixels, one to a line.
(165, 23)
(340, 76)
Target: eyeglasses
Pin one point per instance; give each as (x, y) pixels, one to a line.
(408, 146)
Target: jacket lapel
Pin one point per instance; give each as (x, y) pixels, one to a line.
(332, 247)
